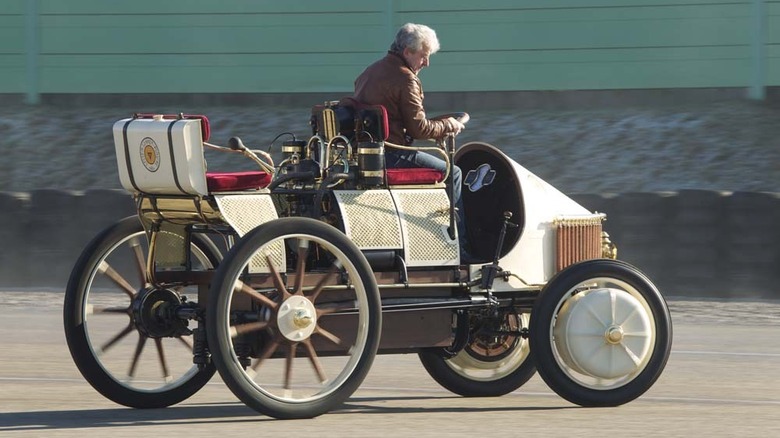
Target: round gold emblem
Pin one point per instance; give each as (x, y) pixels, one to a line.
(150, 154)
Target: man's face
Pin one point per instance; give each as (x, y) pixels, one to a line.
(417, 60)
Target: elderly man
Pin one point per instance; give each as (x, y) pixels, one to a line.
(392, 82)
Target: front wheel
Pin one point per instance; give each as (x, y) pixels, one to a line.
(601, 333)
(294, 318)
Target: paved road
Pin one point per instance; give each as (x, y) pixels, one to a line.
(723, 379)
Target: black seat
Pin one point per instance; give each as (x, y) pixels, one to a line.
(331, 119)
(350, 118)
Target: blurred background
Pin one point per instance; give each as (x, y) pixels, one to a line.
(664, 116)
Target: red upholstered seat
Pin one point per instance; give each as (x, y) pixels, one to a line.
(414, 175)
(230, 181)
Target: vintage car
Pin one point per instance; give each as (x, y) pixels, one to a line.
(290, 279)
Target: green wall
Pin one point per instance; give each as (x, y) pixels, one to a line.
(237, 46)
(12, 47)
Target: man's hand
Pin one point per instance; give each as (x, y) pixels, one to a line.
(455, 126)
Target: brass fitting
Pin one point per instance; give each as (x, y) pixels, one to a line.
(608, 249)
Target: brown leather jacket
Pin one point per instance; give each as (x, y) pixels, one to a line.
(390, 82)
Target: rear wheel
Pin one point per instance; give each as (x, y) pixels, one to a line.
(601, 333)
(119, 328)
(294, 342)
(496, 361)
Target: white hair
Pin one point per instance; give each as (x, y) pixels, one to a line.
(415, 37)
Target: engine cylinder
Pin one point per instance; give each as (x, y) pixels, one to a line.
(371, 163)
(293, 147)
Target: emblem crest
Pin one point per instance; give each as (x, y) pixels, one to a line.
(150, 154)
(480, 177)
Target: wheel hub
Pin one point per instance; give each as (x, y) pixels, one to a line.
(302, 318)
(493, 342)
(154, 313)
(297, 318)
(614, 334)
(604, 333)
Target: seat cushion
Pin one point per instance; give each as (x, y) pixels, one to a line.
(414, 175)
(231, 181)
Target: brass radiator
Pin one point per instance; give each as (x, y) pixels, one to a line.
(577, 239)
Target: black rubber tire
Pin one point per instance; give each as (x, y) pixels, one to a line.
(218, 320)
(77, 333)
(451, 373)
(549, 363)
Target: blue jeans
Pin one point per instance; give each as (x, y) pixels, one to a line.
(401, 159)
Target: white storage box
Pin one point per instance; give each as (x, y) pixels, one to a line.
(161, 156)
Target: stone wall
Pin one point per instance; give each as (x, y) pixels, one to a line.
(697, 242)
(45, 231)
(690, 243)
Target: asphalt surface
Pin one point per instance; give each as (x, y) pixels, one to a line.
(721, 380)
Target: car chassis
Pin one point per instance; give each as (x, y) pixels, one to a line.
(289, 280)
